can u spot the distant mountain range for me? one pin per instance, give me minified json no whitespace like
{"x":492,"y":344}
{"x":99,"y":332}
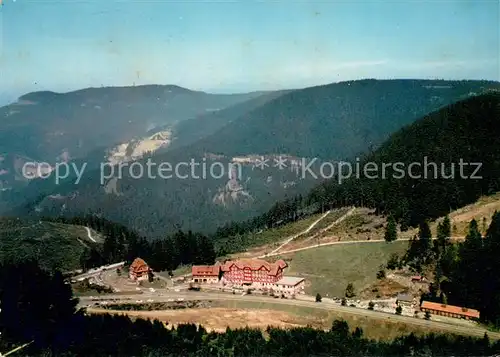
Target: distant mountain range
{"x":333,"y":122}
{"x":46,"y":125}
{"x":336,"y":121}
{"x":91,"y":123}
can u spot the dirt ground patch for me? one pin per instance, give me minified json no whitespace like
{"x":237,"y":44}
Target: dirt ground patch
{"x":261,"y":315}
{"x":481,"y":211}
{"x":218,"y":319}
{"x":383,"y":288}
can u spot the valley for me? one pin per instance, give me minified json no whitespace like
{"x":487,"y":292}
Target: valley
{"x":206,"y":204}
{"x":249,"y":179}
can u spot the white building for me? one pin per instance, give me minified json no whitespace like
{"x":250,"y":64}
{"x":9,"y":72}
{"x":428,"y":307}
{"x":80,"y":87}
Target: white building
{"x":289,"y":285}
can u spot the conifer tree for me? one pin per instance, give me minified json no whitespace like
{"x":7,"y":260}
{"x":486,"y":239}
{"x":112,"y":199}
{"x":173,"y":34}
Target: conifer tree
{"x":391,"y":233}
{"x":349,"y":291}
{"x":443,"y":235}
{"x":490,"y":264}
{"x":424,"y":237}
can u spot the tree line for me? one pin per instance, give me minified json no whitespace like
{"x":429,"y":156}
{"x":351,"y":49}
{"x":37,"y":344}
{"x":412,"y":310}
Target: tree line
{"x":464,"y":274}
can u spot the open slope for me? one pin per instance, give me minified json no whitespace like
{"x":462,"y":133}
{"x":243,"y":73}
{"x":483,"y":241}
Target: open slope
{"x":329,"y":269}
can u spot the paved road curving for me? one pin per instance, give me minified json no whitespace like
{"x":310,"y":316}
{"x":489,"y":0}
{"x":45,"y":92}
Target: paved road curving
{"x":346,"y":242}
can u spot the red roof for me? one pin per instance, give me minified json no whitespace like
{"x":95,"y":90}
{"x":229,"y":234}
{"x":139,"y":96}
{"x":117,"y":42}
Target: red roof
{"x":139,"y":266}
{"x":205,"y":270}
{"x":463,"y":311}
{"x":256,"y":264}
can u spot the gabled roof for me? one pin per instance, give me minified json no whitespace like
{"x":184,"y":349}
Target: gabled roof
{"x":289,"y":281}
{"x":139,"y":266}
{"x":450,"y":309}
{"x":207,"y":270}
{"x":256,"y":264}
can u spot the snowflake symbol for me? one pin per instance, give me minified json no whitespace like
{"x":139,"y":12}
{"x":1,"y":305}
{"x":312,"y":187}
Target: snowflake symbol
{"x":261,"y":163}
{"x":280,"y":162}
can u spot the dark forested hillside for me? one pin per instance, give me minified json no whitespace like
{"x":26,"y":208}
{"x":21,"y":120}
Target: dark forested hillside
{"x":86,"y":242}
{"x":190,"y":131}
{"x":337,"y":121}
{"x":467,"y":132}
{"x":464,"y":273}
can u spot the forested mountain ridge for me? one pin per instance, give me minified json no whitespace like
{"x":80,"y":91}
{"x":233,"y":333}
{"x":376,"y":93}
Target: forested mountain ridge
{"x":190,"y":131}
{"x":467,"y":132}
{"x":338,"y":120}
{"x":152,"y":206}
{"x":48,"y":127}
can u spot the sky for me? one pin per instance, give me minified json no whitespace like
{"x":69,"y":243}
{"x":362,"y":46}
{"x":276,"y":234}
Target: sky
{"x":239,"y":46}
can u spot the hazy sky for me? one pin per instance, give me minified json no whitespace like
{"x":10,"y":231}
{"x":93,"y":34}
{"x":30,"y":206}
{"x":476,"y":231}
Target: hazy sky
{"x":243,"y":45}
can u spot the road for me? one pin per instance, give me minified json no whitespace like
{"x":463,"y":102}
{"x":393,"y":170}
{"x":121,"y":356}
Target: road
{"x":333,"y":243}
{"x":96,"y":271}
{"x":324,"y":305}
{"x":89,"y":235}
{"x":343,"y":242}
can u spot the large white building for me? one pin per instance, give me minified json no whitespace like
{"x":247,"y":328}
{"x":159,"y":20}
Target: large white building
{"x":289,"y":285}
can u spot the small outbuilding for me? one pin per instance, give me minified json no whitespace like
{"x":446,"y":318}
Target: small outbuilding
{"x":405,"y":300}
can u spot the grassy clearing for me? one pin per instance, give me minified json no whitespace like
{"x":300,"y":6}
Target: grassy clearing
{"x":329,"y":269}
{"x":481,"y":211}
{"x":180,"y":271}
{"x":363,"y":224}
